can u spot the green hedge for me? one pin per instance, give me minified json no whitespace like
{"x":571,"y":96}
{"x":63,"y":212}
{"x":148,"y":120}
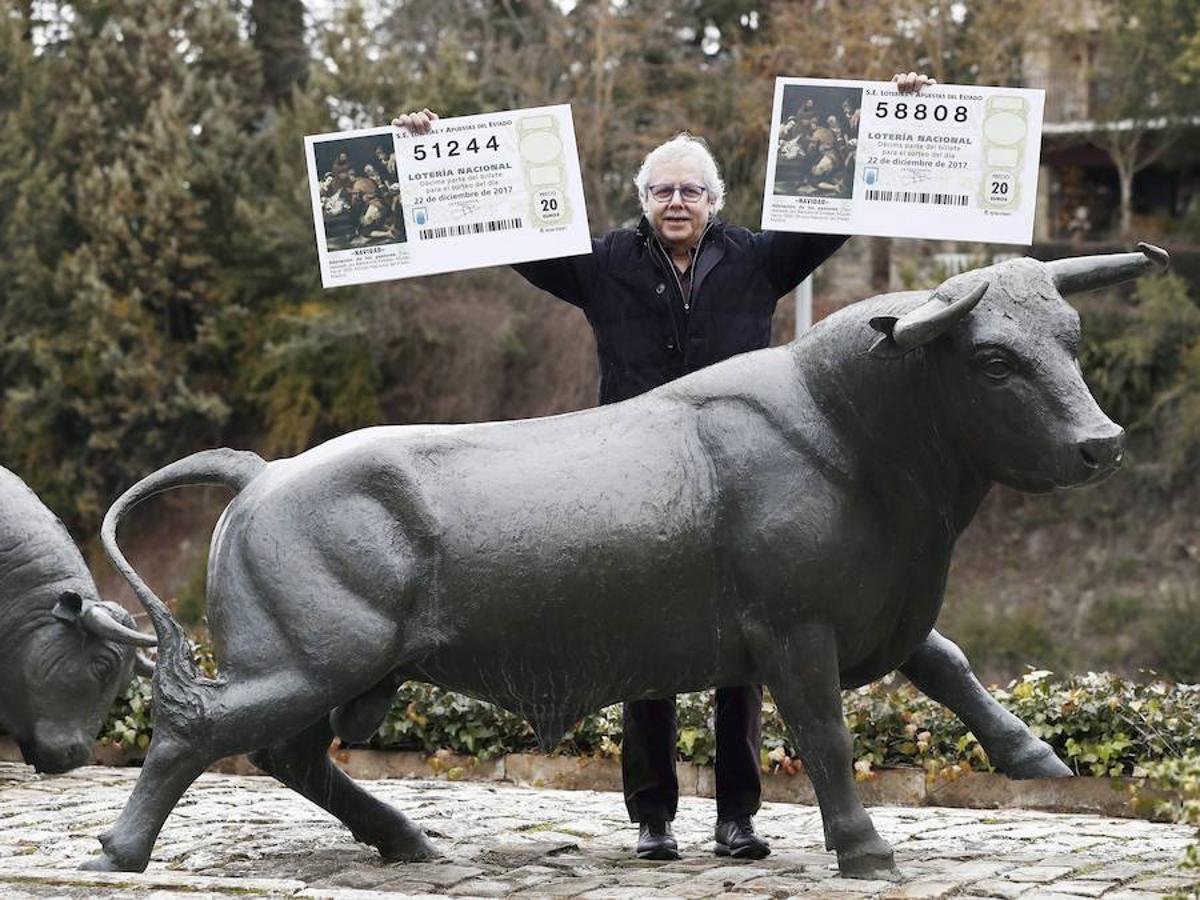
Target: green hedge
{"x":1098,"y":723}
{"x":1179,"y":780}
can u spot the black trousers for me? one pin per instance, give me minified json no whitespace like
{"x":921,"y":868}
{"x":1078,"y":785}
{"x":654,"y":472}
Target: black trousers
{"x":648,"y":755}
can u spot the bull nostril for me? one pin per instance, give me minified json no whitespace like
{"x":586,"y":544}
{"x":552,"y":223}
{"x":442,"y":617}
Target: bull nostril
{"x":1088,"y":460}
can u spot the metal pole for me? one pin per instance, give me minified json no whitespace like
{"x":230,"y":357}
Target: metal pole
{"x":803,"y":296}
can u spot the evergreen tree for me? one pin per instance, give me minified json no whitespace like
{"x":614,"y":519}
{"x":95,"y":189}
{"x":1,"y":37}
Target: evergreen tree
{"x":278,"y":32}
{"x":121,"y":214}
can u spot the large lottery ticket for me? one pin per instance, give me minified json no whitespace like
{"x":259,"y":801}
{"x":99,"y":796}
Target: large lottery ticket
{"x":859,"y":157}
{"x":476,"y":191}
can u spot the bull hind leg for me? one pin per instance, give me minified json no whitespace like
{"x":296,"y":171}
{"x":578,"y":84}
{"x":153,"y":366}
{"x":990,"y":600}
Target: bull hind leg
{"x":939,"y":669}
{"x":302,"y":763}
{"x":189,"y":737}
{"x":802,"y":673}
{"x":170,"y":768}
{"x":177,"y":755}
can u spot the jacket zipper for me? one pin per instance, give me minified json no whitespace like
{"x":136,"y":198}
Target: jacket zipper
{"x":687,"y":301}
{"x":679,"y":287}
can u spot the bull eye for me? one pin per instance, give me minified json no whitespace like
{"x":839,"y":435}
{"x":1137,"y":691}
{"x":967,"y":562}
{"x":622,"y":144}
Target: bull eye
{"x":102,"y":668}
{"x":996,"y":368}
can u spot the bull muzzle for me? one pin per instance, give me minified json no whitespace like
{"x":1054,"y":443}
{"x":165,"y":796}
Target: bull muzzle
{"x":55,"y":759}
{"x":1100,"y":453}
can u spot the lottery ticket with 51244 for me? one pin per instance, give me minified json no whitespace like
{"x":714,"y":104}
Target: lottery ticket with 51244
{"x":476,"y":191}
{"x":949,"y":162}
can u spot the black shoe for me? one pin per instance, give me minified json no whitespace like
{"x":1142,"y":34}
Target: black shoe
{"x":736,"y":838}
{"x":655,"y":841}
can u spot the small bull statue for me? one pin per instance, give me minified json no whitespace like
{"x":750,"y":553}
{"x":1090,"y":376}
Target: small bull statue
{"x":785,"y":517}
{"x":65,"y":654}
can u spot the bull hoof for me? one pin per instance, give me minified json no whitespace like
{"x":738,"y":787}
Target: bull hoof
{"x":413,"y":847}
{"x":873,"y":859}
{"x":1038,"y":761}
{"x":111,"y":861}
{"x":106,"y":863}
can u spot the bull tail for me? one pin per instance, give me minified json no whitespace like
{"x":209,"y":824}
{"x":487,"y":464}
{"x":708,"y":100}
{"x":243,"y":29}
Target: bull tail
{"x":233,"y":469}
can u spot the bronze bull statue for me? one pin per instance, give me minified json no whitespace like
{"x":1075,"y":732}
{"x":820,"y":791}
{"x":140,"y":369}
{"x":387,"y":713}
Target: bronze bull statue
{"x":65,"y":653}
{"x":785,"y":517}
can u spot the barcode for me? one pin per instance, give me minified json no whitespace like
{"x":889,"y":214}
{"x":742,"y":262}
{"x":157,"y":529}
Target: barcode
{"x":919,"y":197}
{"x":473,"y":228}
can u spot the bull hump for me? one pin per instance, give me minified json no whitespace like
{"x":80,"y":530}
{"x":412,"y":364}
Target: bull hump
{"x":35,"y":547}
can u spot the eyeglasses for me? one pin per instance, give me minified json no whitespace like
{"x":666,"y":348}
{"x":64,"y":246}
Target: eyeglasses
{"x":688,"y":193}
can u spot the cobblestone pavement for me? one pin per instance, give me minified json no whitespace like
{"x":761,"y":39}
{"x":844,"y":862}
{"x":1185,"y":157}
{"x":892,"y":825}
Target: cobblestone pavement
{"x":249,"y":836}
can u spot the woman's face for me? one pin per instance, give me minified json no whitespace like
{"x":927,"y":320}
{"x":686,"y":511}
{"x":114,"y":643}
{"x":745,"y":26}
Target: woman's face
{"x":677,"y":223}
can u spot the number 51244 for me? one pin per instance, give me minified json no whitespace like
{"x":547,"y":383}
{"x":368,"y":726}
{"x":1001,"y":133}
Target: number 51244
{"x":448,"y":148}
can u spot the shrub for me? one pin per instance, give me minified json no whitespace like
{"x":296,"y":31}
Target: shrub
{"x":1178,"y":780}
{"x":1098,"y":723}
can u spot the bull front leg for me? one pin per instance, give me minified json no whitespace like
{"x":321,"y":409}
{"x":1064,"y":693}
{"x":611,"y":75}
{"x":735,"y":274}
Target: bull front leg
{"x":939,"y":669}
{"x":801,"y":669}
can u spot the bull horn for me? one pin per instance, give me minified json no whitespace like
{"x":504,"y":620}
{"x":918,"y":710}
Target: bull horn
{"x":928,"y":321}
{"x":1087,"y":273}
{"x":143,"y":666}
{"x":100,"y":622}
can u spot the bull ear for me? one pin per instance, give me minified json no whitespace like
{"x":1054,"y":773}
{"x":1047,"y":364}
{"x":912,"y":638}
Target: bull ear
{"x":933,"y":318}
{"x":884,"y":346}
{"x":68,"y":607}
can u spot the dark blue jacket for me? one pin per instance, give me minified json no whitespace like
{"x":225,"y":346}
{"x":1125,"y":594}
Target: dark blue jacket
{"x":644,"y":335}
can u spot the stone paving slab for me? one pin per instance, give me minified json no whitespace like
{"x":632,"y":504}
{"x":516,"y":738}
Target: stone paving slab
{"x":250,"y":837}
